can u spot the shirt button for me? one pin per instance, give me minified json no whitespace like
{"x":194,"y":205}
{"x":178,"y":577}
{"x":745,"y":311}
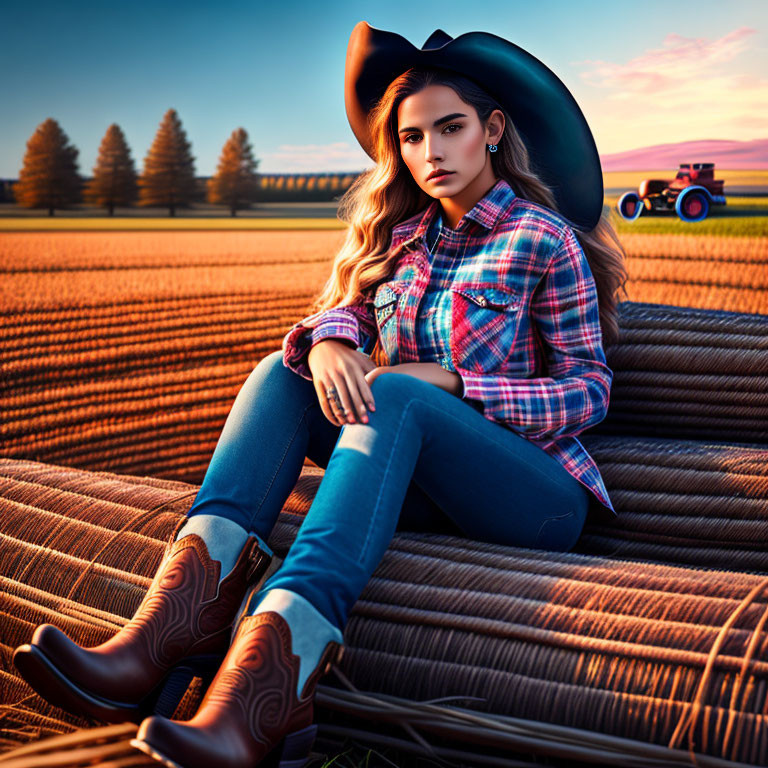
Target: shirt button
{"x":482,"y":301}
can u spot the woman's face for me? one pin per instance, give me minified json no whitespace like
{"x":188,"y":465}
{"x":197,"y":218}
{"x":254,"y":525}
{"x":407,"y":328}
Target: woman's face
{"x":437,"y":130}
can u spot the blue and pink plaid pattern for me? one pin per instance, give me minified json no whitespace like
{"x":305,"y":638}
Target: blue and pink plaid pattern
{"x":508,"y":302}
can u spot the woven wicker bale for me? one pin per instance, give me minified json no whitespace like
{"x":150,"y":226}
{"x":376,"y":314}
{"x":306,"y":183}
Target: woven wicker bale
{"x":682,"y":372}
{"x":682,"y":502}
{"x":552,"y":646}
{"x":623,"y":638}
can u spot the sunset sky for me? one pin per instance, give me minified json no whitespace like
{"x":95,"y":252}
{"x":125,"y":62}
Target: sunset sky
{"x":643,"y":73}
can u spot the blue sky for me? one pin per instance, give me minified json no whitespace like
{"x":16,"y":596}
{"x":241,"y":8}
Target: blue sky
{"x":644,"y":73}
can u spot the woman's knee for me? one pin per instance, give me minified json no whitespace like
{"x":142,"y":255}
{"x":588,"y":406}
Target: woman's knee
{"x":270,"y":372}
{"x":395,"y":393}
{"x":391,"y":385}
{"x":398,"y":394}
{"x":272,"y":361}
{"x":272,"y":365}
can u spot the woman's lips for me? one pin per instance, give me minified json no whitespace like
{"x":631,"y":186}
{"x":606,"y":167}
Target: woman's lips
{"x":442,"y":176}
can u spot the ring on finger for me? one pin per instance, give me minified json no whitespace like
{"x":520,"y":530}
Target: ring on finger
{"x":335,"y":400}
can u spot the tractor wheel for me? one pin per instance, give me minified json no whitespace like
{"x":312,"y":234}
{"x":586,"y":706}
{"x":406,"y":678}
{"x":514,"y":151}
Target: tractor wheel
{"x":693,"y":206}
{"x":629,"y":206}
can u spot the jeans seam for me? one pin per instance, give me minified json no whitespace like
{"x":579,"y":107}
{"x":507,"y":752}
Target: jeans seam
{"x":383,"y":484}
{"x":572,"y":513}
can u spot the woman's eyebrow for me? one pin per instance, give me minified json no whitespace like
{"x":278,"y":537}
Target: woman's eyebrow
{"x":437,"y":122}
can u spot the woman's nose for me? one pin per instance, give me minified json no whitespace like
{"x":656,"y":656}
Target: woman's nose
{"x":432,"y":149}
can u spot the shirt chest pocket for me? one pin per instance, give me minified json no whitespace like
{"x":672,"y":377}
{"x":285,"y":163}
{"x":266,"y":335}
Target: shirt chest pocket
{"x":484,"y":325}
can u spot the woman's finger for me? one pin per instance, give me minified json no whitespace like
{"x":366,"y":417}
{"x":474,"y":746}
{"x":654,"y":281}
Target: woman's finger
{"x":365,"y":391}
{"x":347,"y":408}
{"x":334,"y":394}
{"x":327,"y":405}
{"x":353,"y":379}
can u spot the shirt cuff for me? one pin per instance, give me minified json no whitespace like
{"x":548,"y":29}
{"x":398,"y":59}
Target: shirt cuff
{"x":472,"y":390}
{"x":339,"y":331}
{"x":331,"y":324}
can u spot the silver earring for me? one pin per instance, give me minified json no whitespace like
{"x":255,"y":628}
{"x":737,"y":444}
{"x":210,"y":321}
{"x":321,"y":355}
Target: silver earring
{"x":492,"y":147}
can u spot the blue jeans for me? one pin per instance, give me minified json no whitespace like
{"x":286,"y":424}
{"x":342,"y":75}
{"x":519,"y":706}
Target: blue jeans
{"x":425,"y":461}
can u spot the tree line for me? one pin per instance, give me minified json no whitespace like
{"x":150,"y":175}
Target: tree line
{"x":50,"y":178}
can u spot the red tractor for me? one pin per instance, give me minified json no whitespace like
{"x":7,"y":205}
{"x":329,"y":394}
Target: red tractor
{"x":690,"y":194}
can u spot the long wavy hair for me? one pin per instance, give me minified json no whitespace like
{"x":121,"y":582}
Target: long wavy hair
{"x":385,"y":195}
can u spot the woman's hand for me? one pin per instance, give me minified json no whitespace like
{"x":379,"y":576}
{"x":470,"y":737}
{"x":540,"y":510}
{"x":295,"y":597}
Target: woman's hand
{"x":334,"y":363}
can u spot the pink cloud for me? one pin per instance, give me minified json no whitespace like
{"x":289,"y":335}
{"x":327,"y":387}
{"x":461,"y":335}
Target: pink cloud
{"x":682,"y":90}
{"x":658,"y":69}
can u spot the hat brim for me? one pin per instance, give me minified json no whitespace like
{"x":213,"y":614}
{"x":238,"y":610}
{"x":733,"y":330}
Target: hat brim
{"x":550,"y":123}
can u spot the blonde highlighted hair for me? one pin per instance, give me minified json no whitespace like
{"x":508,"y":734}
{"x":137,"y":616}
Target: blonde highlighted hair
{"x":385,"y":195}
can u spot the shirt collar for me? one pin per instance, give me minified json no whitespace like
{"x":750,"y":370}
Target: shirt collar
{"x":486,"y":212}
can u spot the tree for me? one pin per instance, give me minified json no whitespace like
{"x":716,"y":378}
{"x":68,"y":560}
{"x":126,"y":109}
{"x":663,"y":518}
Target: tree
{"x":114,"y":175}
{"x":49,"y":178}
{"x":169,"y":173}
{"x":235,"y":183}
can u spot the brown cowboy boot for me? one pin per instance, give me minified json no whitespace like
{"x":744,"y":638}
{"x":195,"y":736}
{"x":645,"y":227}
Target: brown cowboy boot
{"x":260,"y":703}
{"x":181,"y":630}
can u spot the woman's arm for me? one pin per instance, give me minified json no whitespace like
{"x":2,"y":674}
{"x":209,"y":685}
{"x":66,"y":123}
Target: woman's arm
{"x":353,"y":323}
{"x":430,"y":372}
{"x":576,"y":393}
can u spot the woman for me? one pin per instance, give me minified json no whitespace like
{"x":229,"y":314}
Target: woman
{"x":461,"y":266}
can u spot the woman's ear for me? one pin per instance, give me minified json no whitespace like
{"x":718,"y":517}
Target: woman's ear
{"x":494,"y":128}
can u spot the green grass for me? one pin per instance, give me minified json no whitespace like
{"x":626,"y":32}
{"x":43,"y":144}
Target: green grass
{"x":356,"y":755}
{"x":740,"y":217}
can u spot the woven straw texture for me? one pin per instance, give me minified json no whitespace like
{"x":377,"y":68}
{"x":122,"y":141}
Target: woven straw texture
{"x":657,"y":654}
{"x":645,"y":646}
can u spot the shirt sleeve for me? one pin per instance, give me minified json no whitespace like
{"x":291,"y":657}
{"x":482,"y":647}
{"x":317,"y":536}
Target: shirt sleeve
{"x":575,"y":395}
{"x":353,"y":323}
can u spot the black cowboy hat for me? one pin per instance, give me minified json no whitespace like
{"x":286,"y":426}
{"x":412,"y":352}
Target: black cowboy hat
{"x":561,"y":147}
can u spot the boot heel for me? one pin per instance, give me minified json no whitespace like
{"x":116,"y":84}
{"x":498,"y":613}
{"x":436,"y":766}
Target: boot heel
{"x":170,"y":691}
{"x":296,"y":747}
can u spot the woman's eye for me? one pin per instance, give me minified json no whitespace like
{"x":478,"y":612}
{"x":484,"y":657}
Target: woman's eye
{"x":416,"y":135}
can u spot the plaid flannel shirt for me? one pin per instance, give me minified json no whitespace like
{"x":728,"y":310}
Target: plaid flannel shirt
{"x":516,"y":318}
